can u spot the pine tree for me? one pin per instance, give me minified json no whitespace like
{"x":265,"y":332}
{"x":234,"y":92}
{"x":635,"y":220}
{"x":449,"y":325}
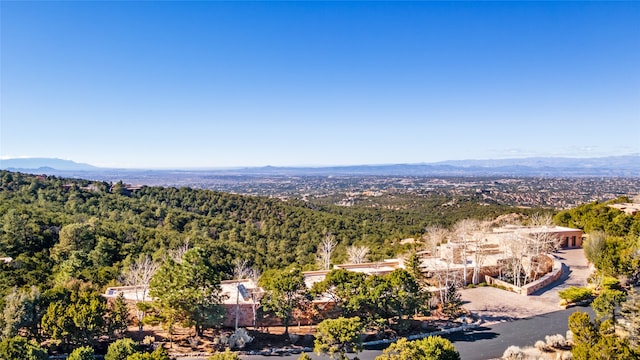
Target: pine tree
{"x":630,"y":312}
{"x":452,"y":306}
{"x":119,"y":316}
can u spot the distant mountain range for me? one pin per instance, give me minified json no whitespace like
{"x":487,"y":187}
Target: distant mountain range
{"x":628,"y":165}
{"x":45,"y":164}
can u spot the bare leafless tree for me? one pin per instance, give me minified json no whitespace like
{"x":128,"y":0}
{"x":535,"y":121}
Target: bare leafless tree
{"x":325,"y":250}
{"x":464,"y":231}
{"x":241,"y":269}
{"x":515,"y":249}
{"x":441,"y":277}
{"x":538,"y":219}
{"x":256,"y":294}
{"x":176,"y":254}
{"x":478,"y":242}
{"x":434,"y":237}
{"x":357,"y":254}
{"x":139,"y":276}
{"x":543,"y":242}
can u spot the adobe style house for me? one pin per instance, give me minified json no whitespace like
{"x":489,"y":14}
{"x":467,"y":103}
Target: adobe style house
{"x":627,"y":208}
{"x":454,"y":260}
{"x":487,"y":253}
{"x":568,"y":238}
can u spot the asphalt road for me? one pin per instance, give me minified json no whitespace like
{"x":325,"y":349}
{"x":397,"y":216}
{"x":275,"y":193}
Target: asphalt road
{"x":489,"y":342}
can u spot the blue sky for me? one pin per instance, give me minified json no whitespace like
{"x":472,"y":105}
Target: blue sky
{"x":217,"y":84}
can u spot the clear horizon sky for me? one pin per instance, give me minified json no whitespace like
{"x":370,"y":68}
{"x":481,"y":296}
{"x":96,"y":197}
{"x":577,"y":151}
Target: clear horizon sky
{"x":162,"y":84}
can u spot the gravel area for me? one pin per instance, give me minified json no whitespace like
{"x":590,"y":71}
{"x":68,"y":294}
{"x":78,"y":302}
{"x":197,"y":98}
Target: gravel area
{"x":495,"y":305}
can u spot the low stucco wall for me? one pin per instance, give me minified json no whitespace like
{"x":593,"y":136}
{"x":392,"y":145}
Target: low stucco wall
{"x":544,"y":281}
{"x":555,"y":274}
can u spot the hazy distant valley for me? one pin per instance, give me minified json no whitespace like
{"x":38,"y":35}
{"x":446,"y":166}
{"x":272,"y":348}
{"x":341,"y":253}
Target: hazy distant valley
{"x":537,"y":182}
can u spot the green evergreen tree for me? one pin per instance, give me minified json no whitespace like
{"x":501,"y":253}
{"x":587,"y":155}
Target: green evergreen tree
{"x":597,"y":341}
{"x":338,"y":336}
{"x":119,"y":316}
{"x":413,"y":265}
{"x":345,"y":290}
{"x":430,"y":348}
{"x":22,"y":311}
{"x":189,"y":291}
{"x":606,"y":304}
{"x":452,"y":306}
{"x":285,"y":291}
{"x":121,"y":349}
{"x":82,"y":353}
{"x":157,"y":354}
{"x":76,"y":317}
{"x":18,"y":347}
{"x":630,"y":312}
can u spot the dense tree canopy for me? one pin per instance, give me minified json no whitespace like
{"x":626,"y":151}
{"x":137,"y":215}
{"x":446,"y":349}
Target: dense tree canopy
{"x":613,"y":243}
{"x":395,"y":296}
{"x":188,"y":291}
{"x":600,"y":217}
{"x":74,"y":316}
{"x":91,"y":231}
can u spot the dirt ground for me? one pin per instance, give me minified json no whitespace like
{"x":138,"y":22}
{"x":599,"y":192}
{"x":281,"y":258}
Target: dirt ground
{"x":264,"y":338}
{"x":495,"y":305}
{"x":183,"y":342}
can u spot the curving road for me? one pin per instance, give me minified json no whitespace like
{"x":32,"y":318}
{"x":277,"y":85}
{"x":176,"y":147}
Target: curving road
{"x":491,"y":341}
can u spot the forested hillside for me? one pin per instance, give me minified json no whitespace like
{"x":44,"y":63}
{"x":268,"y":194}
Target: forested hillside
{"x":613,"y":243}
{"x":58,"y":229}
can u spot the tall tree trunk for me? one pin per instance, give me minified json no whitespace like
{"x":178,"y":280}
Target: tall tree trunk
{"x":286,"y":325}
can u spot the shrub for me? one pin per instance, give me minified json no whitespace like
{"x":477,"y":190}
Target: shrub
{"x":19,"y":347}
{"x":157,"y":354}
{"x":541,"y":345}
{"x":555,"y":341}
{"x":575,"y":294}
{"x":226,"y":355}
{"x":304,"y":356}
{"x":569,"y":337}
{"x":610,"y":283}
{"x":148,"y":340}
{"x":82,"y":353}
{"x":338,"y":336}
{"x":121,"y":349}
{"x":432,"y":347}
{"x":513,"y":352}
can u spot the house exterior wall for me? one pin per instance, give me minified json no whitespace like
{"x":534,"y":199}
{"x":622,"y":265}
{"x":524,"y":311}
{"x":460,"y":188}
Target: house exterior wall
{"x":570,"y":239}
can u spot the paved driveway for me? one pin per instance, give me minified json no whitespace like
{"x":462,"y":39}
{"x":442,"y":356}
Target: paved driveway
{"x":495,"y":305}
